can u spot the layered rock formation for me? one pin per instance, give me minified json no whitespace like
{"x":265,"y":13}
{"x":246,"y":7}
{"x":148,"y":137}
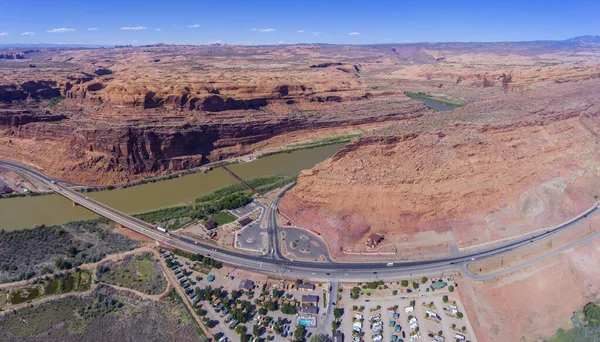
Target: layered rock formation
{"x":490,"y":170}
{"x":125,"y":113}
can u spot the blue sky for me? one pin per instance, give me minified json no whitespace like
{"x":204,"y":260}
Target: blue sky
{"x":109,"y":22}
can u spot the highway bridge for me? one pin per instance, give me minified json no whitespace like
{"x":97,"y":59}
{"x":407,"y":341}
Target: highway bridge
{"x":274,"y":262}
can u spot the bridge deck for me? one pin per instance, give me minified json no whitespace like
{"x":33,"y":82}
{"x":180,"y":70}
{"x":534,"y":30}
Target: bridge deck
{"x":238,"y":178}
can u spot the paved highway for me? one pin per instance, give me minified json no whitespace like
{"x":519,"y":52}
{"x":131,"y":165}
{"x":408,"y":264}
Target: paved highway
{"x":275,"y":263}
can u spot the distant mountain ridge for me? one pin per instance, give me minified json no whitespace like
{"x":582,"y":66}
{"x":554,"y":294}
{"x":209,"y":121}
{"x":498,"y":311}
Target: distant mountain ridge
{"x":584,"y":39}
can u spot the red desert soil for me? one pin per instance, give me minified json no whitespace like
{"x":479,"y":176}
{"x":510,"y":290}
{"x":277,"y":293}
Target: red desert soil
{"x":129,"y":112}
{"x":496,"y":168}
{"x":532,"y":304}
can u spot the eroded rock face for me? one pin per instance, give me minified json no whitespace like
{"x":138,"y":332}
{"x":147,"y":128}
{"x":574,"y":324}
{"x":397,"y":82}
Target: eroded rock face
{"x":44,"y":89}
{"x":115,"y":114}
{"x":488,"y":171}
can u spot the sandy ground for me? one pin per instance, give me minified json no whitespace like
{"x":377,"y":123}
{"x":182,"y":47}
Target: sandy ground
{"x":533,"y":303}
{"x":16,"y":181}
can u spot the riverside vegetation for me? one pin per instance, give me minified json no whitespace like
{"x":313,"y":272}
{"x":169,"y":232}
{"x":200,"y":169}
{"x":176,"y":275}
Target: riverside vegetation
{"x":230,"y":197}
{"x":103,"y":313}
{"x":54,"y":248}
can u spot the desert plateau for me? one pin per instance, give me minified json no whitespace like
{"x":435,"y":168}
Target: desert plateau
{"x":305,"y":172}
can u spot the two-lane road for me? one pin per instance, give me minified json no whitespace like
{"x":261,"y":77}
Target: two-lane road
{"x":275,"y":262}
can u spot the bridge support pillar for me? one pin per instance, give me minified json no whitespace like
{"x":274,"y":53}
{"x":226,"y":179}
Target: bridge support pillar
{"x":75,"y":204}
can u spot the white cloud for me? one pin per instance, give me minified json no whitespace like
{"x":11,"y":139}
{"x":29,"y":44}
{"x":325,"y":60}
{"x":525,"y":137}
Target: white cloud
{"x":61,"y":30}
{"x":157,"y":30}
{"x":280,"y":42}
{"x":28,"y":34}
{"x":270,"y":29}
{"x":3,"y":34}
{"x":133,"y":28}
{"x":93,"y":29}
{"x":194,"y":26}
{"x":354,"y":33}
{"x":300,"y":31}
{"x":315,"y":34}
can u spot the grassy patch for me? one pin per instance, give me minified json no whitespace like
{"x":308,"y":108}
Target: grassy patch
{"x":367,"y":292}
{"x":338,"y":139}
{"x":77,"y":281}
{"x":25,"y":294}
{"x":424,"y":96}
{"x":223,"y":217}
{"x":166,"y":214}
{"x":141,"y":273}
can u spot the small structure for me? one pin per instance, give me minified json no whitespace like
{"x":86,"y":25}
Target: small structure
{"x":309,"y":299}
{"x":309,"y":309}
{"x":438,"y":284}
{"x":306,"y":287}
{"x":5,"y":190}
{"x":210,"y":224}
{"x":246,"y":285}
{"x":245,"y":221}
{"x":374,"y":240}
{"x":338,"y":337}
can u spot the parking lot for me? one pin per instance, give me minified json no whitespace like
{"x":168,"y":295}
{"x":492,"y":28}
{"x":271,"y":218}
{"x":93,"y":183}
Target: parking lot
{"x":251,"y":237}
{"x":247,"y":209}
{"x":304,"y":245}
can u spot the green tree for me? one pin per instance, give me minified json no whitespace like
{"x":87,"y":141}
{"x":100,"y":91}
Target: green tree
{"x":240,"y":329}
{"x":424,"y":280}
{"x":445,"y":298}
{"x":451,"y":288}
{"x":592,"y":314}
{"x":338,"y":312}
{"x":404,"y":283}
{"x":355,"y":292}
{"x":459,"y":315}
{"x":299,"y":333}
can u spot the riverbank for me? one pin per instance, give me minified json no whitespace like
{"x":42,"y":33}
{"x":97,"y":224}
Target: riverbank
{"x":432,"y":100}
{"x":311,"y":144}
{"x":17,"y":213}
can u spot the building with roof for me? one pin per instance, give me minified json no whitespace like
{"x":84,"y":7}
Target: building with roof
{"x":5,"y":190}
{"x":306,"y":287}
{"x":373,"y":240}
{"x":309,"y":299}
{"x":245,"y":221}
{"x":246,"y":285}
{"x":210,"y":224}
{"x":309,"y":309}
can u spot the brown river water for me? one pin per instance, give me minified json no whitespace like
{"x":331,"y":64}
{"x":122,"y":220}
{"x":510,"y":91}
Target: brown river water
{"x":25,"y":212}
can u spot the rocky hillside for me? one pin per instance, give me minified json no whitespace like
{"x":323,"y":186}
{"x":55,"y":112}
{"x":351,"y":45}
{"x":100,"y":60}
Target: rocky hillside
{"x":110,"y":115}
{"x":493,"y":169}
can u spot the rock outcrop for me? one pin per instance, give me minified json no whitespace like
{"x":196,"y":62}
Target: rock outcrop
{"x":488,"y":171}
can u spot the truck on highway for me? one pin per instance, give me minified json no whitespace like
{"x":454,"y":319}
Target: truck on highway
{"x":390,"y":264}
{"x":161,"y":229}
